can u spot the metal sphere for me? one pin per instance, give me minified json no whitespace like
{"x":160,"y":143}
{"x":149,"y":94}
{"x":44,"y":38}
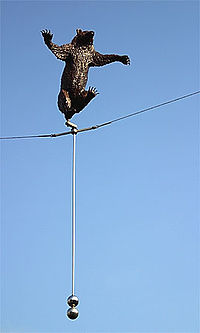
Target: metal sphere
{"x":72,"y":301}
{"x":72,"y":313}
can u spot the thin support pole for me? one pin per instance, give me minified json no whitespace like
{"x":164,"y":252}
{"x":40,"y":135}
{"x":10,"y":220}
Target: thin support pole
{"x":73,"y":209}
{"x":73,"y":300}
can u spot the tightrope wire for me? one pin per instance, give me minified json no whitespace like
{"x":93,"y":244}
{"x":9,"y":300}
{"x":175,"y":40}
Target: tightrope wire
{"x":103,"y":124}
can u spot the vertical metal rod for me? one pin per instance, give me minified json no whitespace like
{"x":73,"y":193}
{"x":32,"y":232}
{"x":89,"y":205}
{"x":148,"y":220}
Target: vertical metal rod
{"x":73,"y":210}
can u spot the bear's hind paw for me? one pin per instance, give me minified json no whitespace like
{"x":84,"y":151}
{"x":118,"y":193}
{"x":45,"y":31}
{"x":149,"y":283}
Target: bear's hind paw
{"x":93,"y":91}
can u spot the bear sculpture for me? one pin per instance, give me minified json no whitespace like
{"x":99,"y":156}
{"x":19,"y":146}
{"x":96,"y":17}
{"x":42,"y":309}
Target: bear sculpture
{"x":79,"y":56}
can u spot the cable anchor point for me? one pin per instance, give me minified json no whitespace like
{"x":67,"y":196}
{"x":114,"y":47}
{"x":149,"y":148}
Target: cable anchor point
{"x":74,"y":127}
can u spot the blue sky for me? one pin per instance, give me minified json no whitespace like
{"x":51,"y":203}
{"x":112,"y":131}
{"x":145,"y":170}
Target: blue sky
{"x":137,"y":228}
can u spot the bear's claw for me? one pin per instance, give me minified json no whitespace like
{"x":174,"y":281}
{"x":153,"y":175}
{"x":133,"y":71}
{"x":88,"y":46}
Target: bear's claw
{"x":93,"y":91}
{"x":47,"y":34}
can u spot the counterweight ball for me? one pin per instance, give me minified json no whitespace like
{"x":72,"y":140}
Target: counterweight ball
{"x":72,"y":301}
{"x":72,"y":313}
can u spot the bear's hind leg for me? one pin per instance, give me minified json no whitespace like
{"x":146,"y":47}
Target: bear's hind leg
{"x":85,"y":98}
{"x":65,"y":104}
{"x":91,"y":93}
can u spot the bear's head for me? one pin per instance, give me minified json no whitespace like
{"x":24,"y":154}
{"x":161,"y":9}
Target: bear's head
{"x":83,"y":38}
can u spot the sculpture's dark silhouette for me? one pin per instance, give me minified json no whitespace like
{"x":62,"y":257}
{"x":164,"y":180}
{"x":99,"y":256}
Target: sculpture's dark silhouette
{"x":79,"y":56}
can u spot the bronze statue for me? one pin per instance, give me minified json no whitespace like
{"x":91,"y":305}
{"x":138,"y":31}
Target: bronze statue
{"x":79,"y":56}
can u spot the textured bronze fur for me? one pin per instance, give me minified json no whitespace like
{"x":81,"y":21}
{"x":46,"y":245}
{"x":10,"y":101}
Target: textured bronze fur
{"x":79,"y":56}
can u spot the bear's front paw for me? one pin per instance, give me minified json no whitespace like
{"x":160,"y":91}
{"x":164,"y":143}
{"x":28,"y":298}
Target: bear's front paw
{"x":125,"y":60}
{"x":47,"y":35}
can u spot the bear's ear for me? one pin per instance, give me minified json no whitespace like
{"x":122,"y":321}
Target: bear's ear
{"x":78,"y":31}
